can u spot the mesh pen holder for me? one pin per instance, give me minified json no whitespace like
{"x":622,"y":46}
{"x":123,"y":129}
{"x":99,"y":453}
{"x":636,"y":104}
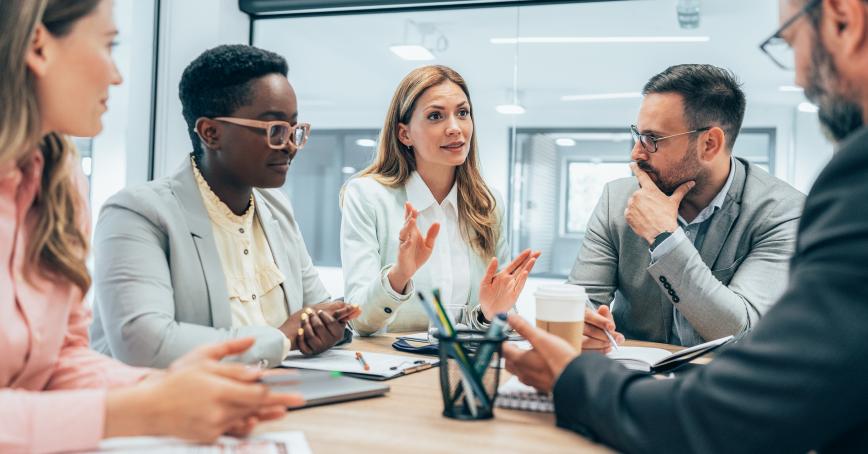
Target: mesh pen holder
{"x":478,"y":404}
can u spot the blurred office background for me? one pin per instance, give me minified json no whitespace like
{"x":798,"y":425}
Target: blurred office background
{"x":555,"y":86}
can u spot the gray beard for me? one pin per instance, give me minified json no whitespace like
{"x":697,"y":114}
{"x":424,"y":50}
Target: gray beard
{"x":839,"y":116}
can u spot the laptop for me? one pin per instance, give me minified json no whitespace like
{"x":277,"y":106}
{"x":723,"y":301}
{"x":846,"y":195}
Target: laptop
{"x":321,"y":388}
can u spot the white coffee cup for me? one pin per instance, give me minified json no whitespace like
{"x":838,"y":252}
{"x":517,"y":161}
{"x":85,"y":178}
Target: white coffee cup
{"x":560,"y":310}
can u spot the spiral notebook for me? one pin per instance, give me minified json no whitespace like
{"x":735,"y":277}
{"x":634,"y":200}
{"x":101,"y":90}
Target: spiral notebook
{"x":516,"y":395}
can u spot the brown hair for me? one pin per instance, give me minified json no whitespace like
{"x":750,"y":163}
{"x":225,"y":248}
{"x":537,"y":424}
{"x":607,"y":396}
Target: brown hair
{"x":395,"y":161}
{"x":57,"y":246}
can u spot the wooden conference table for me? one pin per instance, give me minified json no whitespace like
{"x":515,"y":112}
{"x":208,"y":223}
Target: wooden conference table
{"x":409,"y":420}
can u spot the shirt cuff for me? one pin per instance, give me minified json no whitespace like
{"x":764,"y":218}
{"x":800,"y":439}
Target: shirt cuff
{"x":668,"y":245}
{"x":387,"y":286}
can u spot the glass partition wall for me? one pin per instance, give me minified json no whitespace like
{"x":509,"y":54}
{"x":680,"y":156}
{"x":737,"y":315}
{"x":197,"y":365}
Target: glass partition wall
{"x":554,"y":90}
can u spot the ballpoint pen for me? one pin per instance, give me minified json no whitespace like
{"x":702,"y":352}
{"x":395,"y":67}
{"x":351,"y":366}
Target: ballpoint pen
{"x":609,"y":335}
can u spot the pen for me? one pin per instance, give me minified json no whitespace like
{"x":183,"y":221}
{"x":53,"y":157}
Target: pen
{"x":364,"y":363}
{"x":611,"y":339}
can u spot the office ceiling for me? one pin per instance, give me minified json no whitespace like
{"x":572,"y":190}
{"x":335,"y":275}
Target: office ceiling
{"x":342,"y":63}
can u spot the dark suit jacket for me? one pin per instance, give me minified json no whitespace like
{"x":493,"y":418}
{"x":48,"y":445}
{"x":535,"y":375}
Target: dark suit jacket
{"x":797,"y":382}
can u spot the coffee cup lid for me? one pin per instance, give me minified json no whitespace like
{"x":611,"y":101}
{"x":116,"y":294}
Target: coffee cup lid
{"x":560,"y":291}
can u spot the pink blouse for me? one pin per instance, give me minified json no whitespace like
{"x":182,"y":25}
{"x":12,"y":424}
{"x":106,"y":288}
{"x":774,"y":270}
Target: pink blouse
{"x":52,"y":386}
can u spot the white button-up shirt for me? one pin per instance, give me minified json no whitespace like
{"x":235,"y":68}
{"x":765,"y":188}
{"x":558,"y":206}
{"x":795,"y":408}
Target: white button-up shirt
{"x":448,"y":268}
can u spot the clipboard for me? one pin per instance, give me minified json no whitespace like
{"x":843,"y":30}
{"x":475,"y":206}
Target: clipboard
{"x":381,"y":366}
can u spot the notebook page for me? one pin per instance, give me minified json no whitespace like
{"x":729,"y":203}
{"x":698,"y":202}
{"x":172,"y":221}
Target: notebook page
{"x":638,"y":358}
{"x":381,"y":364}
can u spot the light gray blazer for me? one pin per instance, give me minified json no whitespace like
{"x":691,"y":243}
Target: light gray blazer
{"x":722,"y":289}
{"x":159,"y":285}
{"x":372,"y":216}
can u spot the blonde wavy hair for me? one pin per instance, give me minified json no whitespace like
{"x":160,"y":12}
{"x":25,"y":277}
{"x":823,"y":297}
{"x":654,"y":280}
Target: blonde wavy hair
{"x":58,"y":246}
{"x":477,"y":214}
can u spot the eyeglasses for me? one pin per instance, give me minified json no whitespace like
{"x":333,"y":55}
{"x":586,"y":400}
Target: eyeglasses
{"x":649,"y":142}
{"x":777,"y":48}
{"x":280,"y":134}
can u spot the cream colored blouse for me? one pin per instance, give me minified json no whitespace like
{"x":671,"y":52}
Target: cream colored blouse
{"x":252,"y":278}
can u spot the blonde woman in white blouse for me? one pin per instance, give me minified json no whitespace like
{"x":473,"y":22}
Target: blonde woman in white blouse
{"x":425,"y":177}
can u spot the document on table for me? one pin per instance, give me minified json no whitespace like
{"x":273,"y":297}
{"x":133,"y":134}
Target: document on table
{"x":267,"y":443}
{"x":381,"y":366}
{"x":638,"y":358}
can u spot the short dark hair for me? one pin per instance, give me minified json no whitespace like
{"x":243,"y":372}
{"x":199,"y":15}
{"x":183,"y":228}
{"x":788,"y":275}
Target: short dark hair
{"x":712,"y":96}
{"x":218,"y":82}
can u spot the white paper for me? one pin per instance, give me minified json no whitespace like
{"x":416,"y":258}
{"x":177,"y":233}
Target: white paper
{"x":638,"y":358}
{"x":381,"y":364}
{"x":274,"y":442}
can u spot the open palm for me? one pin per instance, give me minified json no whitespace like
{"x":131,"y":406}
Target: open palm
{"x":498,"y":291}
{"x":414,"y":249}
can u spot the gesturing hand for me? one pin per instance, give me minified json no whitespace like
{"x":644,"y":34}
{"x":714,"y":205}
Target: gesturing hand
{"x":498,"y":291}
{"x":541,"y":366}
{"x":649,"y":211}
{"x":413,"y":251}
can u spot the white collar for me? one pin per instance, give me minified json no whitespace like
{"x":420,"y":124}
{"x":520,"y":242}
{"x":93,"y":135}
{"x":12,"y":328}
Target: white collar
{"x":420,"y":196}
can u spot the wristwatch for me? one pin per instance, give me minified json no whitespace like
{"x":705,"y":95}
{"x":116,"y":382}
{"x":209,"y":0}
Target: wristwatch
{"x":660,"y":238}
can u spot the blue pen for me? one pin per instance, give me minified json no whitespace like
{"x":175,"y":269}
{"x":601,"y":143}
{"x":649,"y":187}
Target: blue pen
{"x":432,"y":315}
{"x":496,"y":332}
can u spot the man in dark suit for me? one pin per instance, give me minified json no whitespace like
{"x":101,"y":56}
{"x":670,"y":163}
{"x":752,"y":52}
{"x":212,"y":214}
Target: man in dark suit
{"x":799,"y":380}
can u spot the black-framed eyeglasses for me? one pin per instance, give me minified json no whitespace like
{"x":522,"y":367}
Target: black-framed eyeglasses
{"x":649,"y":142}
{"x":777,"y":48}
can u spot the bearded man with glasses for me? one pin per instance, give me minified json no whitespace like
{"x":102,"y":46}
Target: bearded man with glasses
{"x":696,"y":246}
{"x":798,"y":382}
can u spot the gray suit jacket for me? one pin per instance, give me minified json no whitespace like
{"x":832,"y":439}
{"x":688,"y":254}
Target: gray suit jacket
{"x":159,"y":285}
{"x":722,"y":289}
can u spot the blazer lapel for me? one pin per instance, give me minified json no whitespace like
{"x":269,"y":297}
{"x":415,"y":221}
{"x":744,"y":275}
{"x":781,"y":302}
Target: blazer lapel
{"x":723,"y":220}
{"x":187,"y":192}
{"x":271,"y":228}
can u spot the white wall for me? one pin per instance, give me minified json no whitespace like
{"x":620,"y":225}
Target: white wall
{"x":811,"y":150}
{"x":123,"y":143}
{"x":187,"y":28}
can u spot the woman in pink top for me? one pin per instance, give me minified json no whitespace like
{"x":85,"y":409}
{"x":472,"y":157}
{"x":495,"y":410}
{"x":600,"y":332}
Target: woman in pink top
{"x":55,"y":393}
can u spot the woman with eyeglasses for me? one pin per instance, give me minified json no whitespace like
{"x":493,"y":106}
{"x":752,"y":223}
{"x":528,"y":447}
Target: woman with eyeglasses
{"x":213,"y":252}
{"x":55,"y":393}
{"x":426,"y":178}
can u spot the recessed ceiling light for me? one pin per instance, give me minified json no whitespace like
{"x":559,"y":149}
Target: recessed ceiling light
{"x":348,"y":170}
{"x":412,"y":52}
{"x":792,"y":88}
{"x":367,"y":143}
{"x":601,"y":96}
{"x":808,"y":107}
{"x":510,"y":109}
{"x":565,"y":142}
{"x":600,"y":39}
